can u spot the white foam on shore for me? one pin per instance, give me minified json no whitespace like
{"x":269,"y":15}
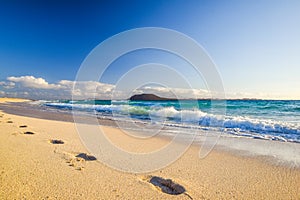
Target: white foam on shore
{"x":249,"y":143}
{"x":236,"y":125}
{"x":286,"y":153}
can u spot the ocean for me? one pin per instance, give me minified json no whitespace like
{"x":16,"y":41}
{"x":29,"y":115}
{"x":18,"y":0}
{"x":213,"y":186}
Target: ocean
{"x":260,"y":119}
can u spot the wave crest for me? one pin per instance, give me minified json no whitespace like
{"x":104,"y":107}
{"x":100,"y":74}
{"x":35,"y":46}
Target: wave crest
{"x":238,"y":125}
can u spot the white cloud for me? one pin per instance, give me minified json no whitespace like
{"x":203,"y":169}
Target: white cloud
{"x":39,"y":88}
{"x":88,"y":89}
{"x":32,"y":82}
{"x":7,"y":85}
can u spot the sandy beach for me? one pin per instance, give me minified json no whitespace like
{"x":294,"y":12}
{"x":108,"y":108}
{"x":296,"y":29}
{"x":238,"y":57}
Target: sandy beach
{"x":45,"y":159}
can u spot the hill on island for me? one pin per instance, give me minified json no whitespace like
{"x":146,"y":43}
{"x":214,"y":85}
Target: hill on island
{"x":148,"y":97}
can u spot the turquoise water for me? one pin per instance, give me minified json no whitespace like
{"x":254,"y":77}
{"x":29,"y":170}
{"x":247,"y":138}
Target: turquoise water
{"x":265,"y":119}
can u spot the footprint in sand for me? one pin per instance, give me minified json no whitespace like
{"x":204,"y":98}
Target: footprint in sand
{"x":77,"y":163}
{"x":77,"y":160}
{"x":54,"y":141}
{"x":28,"y":133}
{"x":166,"y":185}
{"x":86,"y":157}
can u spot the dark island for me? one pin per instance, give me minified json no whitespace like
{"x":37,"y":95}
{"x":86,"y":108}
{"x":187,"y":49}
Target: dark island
{"x":148,"y":97}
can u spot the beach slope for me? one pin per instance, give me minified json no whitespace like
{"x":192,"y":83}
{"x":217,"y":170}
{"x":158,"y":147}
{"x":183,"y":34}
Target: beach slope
{"x":45,"y":159}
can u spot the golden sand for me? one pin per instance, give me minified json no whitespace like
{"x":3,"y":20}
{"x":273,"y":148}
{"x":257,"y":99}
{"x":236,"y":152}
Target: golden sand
{"x":6,"y":100}
{"x":34,"y":166}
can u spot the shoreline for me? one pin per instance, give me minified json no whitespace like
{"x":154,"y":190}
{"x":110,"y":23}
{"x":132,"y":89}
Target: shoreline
{"x":274,"y":152}
{"x":36,"y":168}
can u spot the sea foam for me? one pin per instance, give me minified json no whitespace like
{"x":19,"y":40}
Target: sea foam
{"x":234,"y":125}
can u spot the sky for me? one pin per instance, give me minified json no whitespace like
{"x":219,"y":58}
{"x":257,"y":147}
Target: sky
{"x":254,"y":44}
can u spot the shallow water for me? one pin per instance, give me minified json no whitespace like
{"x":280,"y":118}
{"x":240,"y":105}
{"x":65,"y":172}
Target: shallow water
{"x":260,"y":119}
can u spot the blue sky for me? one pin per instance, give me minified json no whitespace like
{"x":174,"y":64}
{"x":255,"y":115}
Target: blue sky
{"x":255,"y":44}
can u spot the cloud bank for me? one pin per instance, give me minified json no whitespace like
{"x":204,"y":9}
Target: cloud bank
{"x":38,"y":88}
